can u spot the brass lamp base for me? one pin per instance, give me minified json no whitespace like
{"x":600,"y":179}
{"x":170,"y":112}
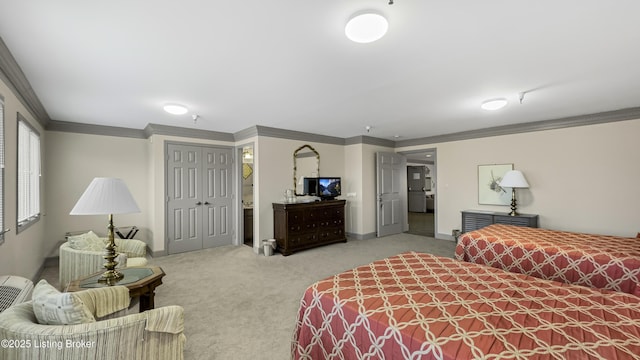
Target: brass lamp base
{"x":513,"y":203}
{"x":111,"y":276}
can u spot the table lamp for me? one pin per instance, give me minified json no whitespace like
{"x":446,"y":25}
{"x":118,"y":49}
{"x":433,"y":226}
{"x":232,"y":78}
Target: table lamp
{"x":107,"y":196}
{"x":514,"y":179}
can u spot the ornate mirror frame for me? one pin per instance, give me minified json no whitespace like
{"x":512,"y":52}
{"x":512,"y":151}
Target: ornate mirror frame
{"x":305,"y":152}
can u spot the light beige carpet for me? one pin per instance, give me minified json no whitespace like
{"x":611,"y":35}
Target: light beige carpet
{"x":239,"y":305}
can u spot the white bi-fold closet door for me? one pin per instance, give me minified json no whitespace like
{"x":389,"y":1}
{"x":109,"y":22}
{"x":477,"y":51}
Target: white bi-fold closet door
{"x":199,"y":197}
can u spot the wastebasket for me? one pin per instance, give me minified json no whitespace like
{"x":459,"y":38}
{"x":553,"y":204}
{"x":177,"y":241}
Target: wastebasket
{"x":269,"y":245}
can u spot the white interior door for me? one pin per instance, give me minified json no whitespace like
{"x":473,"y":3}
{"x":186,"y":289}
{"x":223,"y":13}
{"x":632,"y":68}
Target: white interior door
{"x":390,"y":167}
{"x":217,"y":197}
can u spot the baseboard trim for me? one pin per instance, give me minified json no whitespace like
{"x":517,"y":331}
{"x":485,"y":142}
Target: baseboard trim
{"x":38,"y":275}
{"x":159,"y":253}
{"x":449,"y":237}
{"x":361,"y":236}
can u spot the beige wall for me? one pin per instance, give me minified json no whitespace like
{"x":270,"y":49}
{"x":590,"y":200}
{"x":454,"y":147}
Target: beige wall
{"x":273,"y":158}
{"x":73,"y":160}
{"x":21,"y":254}
{"x":353,"y":171}
{"x":582,"y":179}
{"x":360,"y":165}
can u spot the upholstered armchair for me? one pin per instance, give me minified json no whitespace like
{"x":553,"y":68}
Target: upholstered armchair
{"x":82,"y":255}
{"x":153,"y":334}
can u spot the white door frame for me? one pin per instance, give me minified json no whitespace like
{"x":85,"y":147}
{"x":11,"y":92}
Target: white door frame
{"x":434,"y":186}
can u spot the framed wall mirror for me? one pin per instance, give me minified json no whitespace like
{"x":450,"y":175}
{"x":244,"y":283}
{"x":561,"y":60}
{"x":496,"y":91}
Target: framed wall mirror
{"x":306,"y":163}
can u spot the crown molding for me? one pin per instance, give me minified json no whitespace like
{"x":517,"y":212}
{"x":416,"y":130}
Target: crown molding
{"x":157,"y":129}
{"x":246,"y":133}
{"x":369,"y":140}
{"x":297,"y":135}
{"x":12,"y":75}
{"x":81,"y":128}
{"x":258,"y":130}
{"x":572,"y":121}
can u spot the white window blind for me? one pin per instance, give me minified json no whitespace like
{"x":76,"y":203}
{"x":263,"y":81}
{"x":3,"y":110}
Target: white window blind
{"x":28,"y":174}
{"x":2,"y":228}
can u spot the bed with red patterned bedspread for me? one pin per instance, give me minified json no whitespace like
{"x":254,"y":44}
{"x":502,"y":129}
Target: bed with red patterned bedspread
{"x":597,"y":261}
{"x":420,"y":306}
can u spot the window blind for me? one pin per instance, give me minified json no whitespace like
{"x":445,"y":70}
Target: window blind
{"x":2,"y":228}
{"x":28,"y":174}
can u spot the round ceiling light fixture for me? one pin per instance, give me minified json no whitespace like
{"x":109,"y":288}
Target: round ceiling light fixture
{"x":175,"y":109}
{"x":366,"y":27}
{"x":494,"y":104}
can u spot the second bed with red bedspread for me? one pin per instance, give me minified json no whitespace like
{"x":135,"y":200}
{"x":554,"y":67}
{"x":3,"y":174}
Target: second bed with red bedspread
{"x":597,"y":261}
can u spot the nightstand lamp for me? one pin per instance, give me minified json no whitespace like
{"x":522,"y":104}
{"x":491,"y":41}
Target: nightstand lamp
{"x":514,"y":179}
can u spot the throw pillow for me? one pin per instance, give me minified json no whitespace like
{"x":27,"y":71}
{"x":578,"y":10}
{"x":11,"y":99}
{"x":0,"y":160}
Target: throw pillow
{"x":122,"y":260}
{"x":86,"y":242}
{"x":52,"y":307}
{"x":93,"y":237}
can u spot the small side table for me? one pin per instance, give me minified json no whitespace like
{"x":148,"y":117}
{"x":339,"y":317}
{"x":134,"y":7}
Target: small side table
{"x":477,"y":219}
{"x":141,"y":282}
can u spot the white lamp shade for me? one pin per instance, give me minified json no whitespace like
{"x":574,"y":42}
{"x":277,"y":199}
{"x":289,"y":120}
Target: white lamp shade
{"x":514,"y":179}
{"x":105,"y":196}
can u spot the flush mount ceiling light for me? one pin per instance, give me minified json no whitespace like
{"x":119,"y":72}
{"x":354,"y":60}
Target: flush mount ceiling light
{"x":365,"y":28}
{"x":494,"y":104}
{"x":175,"y":109}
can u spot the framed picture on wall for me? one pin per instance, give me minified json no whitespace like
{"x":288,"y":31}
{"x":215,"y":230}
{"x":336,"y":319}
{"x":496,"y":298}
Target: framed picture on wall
{"x":489,"y":192}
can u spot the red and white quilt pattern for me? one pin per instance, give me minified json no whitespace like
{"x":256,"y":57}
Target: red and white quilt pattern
{"x":420,"y":306}
{"x":597,"y":261}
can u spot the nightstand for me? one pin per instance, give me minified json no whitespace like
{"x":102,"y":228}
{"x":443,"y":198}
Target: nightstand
{"x":477,"y":219}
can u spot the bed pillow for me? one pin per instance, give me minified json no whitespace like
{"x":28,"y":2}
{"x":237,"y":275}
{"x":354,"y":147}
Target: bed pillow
{"x":86,"y":242}
{"x":121,"y":258}
{"x":52,"y":307}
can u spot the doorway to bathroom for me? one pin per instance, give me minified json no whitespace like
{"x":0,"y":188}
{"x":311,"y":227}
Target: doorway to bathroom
{"x":247,"y":194}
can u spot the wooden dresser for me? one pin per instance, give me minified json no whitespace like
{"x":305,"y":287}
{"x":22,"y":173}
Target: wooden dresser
{"x":299,"y":226}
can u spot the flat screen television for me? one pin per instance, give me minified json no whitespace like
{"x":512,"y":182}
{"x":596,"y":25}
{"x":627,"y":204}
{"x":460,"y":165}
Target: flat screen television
{"x":329,"y":187}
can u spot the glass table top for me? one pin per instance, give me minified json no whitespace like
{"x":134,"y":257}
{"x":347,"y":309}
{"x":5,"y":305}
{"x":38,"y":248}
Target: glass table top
{"x":131,"y":275}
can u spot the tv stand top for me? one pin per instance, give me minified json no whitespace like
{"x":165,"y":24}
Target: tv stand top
{"x":309,"y":203}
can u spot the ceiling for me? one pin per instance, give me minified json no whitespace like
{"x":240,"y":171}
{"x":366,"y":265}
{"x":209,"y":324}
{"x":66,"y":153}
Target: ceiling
{"x":287,"y":64}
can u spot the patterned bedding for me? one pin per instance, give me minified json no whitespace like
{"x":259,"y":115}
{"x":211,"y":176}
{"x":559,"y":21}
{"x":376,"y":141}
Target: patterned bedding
{"x":420,"y":306}
{"x":597,"y":261}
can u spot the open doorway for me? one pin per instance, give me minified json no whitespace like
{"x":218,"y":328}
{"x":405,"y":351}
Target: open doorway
{"x":421,"y":192}
{"x":247,"y":194}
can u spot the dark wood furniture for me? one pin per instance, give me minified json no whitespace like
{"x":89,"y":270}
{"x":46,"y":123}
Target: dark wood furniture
{"x":141,"y":282}
{"x":299,"y":226}
{"x":248,"y":226}
{"x":477,"y":219}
